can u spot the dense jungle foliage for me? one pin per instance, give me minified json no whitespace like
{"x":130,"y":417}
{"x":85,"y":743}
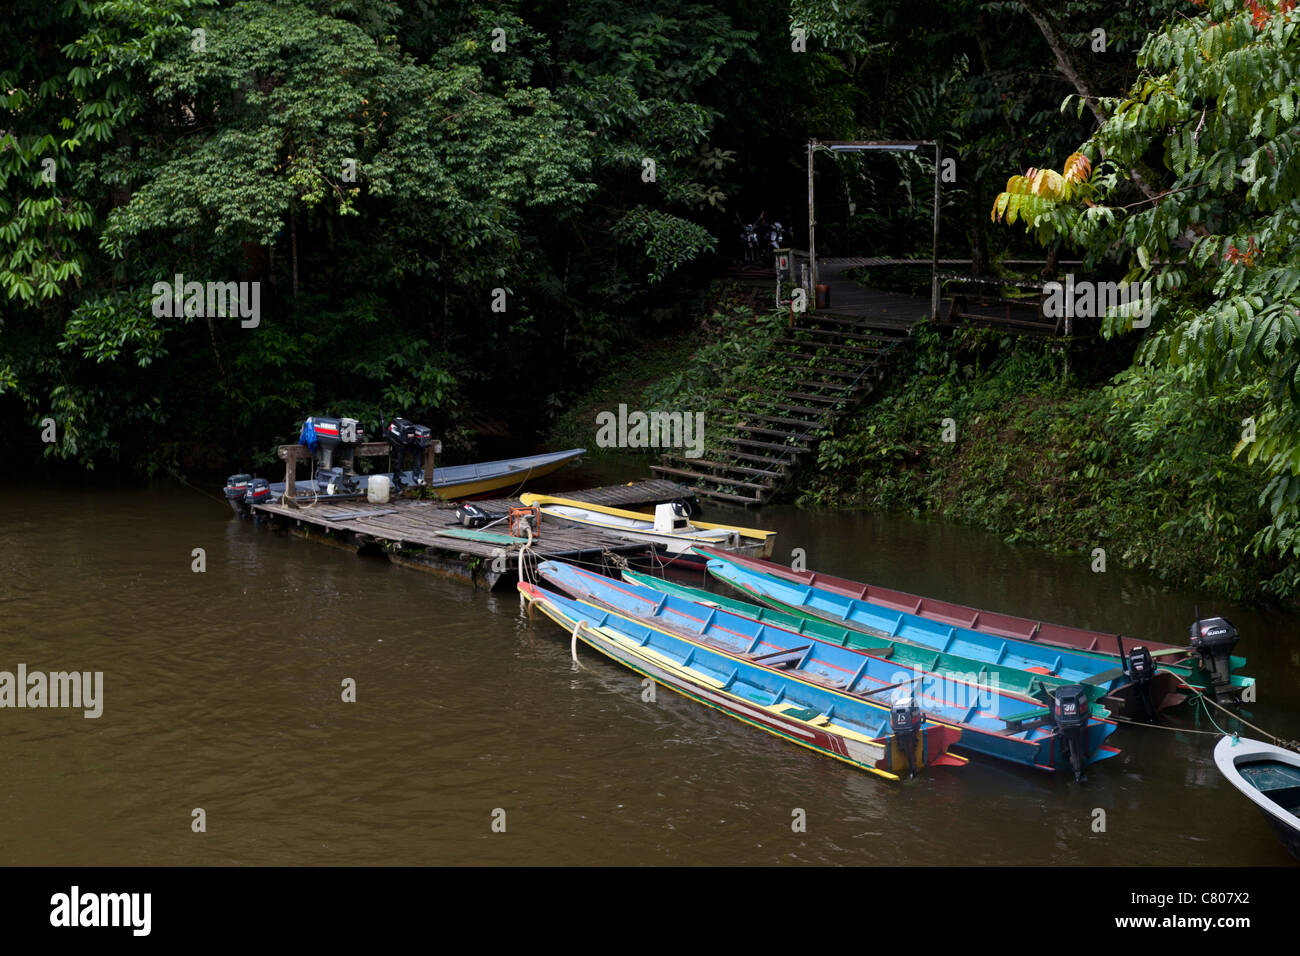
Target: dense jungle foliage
{"x":464,"y":210}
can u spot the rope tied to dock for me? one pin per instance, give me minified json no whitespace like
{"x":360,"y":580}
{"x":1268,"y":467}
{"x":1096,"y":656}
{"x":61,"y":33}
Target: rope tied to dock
{"x":1206,"y":701}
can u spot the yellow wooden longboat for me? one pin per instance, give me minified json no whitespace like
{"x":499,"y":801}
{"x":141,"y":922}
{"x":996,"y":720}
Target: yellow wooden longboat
{"x":642,"y":527}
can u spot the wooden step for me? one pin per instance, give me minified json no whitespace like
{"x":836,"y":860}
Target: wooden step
{"x":772,"y":472}
{"x":796,"y":422}
{"x":716,"y":479}
{"x":810,"y":397}
{"x":750,"y":443}
{"x":774,"y":432}
{"x":857,"y":323}
{"x":828,"y":334}
{"x":781,"y":406}
{"x":838,"y":353}
{"x":783,"y":463}
{"x":843,"y":373}
{"x":727,"y":496}
{"x":810,"y":383}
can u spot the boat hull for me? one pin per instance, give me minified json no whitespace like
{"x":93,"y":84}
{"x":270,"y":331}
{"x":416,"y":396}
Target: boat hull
{"x":1174,"y":658}
{"x":880,"y":756}
{"x":640,"y":527}
{"x":1238,"y":758}
{"x":459,"y":481}
{"x":1010,"y":679}
{"x":993,"y":722}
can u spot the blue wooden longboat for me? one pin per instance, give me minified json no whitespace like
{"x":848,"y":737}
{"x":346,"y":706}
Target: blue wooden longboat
{"x":859,"y":732}
{"x":1180,"y":668}
{"x":1078,"y":667}
{"x":993,"y":723}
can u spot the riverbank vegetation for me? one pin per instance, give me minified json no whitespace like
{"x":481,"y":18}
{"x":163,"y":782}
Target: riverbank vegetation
{"x":454,"y":212}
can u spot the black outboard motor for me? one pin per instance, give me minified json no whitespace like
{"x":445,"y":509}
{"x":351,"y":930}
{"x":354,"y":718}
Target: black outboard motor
{"x":1141,"y":670}
{"x":406,"y":438}
{"x":471,"y":516}
{"x":1070,"y":713}
{"x":236,"y":489}
{"x":905,"y":720}
{"x":1213,"y":638}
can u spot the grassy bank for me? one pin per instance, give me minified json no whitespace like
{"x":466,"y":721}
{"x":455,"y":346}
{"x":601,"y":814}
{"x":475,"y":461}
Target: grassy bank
{"x":1138,"y":465}
{"x":1049,"y":450}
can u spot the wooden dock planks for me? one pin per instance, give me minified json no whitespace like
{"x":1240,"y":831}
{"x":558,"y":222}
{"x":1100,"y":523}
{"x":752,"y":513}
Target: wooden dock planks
{"x":407,"y":530}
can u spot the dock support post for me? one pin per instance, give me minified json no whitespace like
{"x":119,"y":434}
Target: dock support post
{"x":435,"y":447}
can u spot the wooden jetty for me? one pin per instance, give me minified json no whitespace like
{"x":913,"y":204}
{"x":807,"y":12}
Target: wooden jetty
{"x":423,"y":533}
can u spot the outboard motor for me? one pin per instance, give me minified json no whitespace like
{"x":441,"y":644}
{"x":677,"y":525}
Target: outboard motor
{"x":406,"y":438}
{"x":905,"y":720}
{"x":1070,"y":713}
{"x":775,"y":236}
{"x":257,"y":492}
{"x":471,"y":516}
{"x":335,"y":481}
{"x":327,"y":437}
{"x":236,"y":488}
{"x":1213,"y":638}
{"x":1141,"y":670}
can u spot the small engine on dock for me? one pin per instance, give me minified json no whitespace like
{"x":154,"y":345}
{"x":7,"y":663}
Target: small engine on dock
{"x":1213,"y":639}
{"x":1070,"y":713}
{"x":406,"y":438}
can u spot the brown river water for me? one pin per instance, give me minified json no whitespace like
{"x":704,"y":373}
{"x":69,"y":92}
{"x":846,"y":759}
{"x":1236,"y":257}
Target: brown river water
{"x":222,"y":691}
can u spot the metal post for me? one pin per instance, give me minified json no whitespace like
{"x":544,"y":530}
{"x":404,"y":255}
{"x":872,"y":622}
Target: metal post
{"x":812,"y":225}
{"x":934,"y":252}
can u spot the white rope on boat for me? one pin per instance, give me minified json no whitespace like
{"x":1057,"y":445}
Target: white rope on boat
{"x":573,"y":643}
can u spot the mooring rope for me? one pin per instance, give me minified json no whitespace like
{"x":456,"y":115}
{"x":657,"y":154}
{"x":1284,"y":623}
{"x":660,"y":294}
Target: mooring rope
{"x":1206,"y":701}
{"x":573,"y":643}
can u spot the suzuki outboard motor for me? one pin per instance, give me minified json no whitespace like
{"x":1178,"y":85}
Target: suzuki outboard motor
{"x":905,"y":719}
{"x":1141,"y":671}
{"x":1070,"y":712}
{"x":406,"y":438}
{"x":328,"y":437}
{"x":1213,"y":638}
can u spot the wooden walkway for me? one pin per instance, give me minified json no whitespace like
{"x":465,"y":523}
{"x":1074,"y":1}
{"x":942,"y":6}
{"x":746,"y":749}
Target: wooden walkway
{"x":415,"y":533}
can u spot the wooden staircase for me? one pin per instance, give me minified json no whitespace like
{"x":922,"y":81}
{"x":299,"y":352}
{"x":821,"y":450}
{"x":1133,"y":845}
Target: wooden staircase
{"x":823,"y":367}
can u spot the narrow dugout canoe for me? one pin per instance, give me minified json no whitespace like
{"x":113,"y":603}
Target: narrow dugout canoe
{"x":993,"y":722}
{"x":1026,"y":683}
{"x":925,"y":620}
{"x":858,"y":734}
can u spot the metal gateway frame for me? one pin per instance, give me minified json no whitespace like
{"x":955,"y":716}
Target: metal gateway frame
{"x":866,"y":146}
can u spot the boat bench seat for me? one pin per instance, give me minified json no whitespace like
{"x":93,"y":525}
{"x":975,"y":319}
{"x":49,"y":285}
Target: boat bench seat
{"x":781,"y":658}
{"x":1027,"y":715}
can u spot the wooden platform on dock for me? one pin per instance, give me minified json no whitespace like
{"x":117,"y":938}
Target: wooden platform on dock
{"x":414,"y":532}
